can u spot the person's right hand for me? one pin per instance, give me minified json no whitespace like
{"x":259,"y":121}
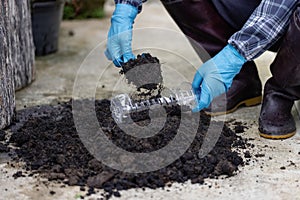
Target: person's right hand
{"x":119,"y":48}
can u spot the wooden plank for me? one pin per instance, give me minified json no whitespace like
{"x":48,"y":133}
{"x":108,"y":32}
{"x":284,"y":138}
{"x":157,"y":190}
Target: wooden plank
{"x":16,"y":54}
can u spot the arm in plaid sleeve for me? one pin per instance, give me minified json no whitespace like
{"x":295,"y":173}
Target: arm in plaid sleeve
{"x":135,"y":3}
{"x":265,"y":26}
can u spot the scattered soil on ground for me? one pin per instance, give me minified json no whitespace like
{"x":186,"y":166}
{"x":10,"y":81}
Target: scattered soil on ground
{"x":239,"y":127}
{"x":2,"y":135}
{"x":3,"y":148}
{"x":47,"y":141}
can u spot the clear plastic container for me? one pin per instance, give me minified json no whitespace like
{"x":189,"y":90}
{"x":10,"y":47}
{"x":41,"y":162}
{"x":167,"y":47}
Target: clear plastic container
{"x":122,"y":105}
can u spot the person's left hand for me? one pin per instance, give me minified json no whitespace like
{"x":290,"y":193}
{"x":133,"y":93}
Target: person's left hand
{"x":215,"y":76}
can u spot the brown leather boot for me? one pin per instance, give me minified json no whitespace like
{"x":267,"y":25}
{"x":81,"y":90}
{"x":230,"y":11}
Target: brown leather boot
{"x":206,"y":29}
{"x":276,"y":120}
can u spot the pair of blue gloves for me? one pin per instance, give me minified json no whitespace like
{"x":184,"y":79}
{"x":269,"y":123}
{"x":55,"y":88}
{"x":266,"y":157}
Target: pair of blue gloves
{"x":213,"y":78}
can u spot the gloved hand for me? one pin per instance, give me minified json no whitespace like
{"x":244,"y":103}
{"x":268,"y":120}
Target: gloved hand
{"x":120,"y":34}
{"x":215,"y":76}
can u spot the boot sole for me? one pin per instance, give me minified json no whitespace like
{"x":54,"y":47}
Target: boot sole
{"x":248,"y":102}
{"x":277,"y":137}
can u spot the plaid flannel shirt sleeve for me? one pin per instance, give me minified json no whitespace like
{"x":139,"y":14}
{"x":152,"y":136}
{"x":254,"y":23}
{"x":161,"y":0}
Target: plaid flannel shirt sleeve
{"x":265,"y":26}
{"x":135,"y":3}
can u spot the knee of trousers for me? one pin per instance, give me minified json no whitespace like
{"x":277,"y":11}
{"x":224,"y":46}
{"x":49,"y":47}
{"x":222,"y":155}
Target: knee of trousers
{"x":286,"y":66}
{"x":201,"y":23}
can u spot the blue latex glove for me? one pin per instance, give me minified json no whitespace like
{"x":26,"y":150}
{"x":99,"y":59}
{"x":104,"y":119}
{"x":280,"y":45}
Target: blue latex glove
{"x":120,"y":34}
{"x":215,"y":76}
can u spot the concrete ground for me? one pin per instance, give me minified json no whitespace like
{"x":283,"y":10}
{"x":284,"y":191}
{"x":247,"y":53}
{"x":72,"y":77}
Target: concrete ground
{"x":263,"y":178}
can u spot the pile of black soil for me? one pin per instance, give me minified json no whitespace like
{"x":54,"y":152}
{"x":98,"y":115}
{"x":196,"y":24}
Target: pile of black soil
{"x":144,"y":72}
{"x":48,"y":143}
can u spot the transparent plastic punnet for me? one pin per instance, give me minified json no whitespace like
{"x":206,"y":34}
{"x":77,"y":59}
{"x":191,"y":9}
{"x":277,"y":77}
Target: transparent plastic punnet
{"x":122,"y":105}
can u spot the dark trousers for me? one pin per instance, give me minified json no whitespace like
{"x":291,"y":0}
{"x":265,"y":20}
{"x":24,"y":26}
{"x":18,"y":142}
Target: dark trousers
{"x":207,"y":30}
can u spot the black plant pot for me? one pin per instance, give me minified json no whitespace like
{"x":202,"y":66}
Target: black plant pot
{"x":46,"y":18}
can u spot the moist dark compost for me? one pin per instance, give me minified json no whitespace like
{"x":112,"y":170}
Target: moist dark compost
{"x":144,"y":72}
{"x":48,"y":144}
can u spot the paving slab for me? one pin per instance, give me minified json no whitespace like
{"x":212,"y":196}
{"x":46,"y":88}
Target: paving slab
{"x":276,"y":175}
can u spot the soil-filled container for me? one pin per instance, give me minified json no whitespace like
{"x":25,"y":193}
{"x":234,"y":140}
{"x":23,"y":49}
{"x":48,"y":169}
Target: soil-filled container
{"x":46,"y":19}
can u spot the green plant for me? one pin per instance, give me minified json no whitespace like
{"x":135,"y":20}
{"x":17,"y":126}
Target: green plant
{"x":69,"y":12}
{"x":83,"y":9}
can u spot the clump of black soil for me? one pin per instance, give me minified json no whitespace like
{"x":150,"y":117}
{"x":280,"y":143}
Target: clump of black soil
{"x":2,"y":135}
{"x":48,"y":143}
{"x":3,"y":146}
{"x":144,"y":72}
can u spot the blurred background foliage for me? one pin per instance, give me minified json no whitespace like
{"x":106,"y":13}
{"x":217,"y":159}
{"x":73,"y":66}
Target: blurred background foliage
{"x":83,"y":9}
